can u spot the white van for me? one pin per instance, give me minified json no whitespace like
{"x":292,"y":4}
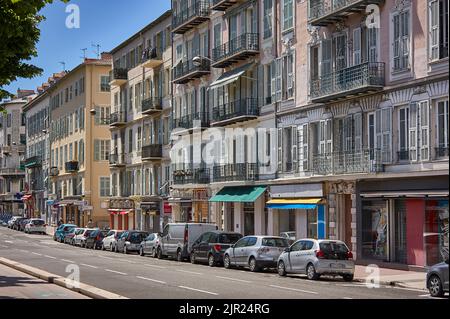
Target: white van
{"x":177,"y":239}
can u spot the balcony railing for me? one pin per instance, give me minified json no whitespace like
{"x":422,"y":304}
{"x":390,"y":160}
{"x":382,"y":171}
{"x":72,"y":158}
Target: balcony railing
{"x":11,"y":171}
{"x":116,"y":159}
{"x":235,"y":111}
{"x":403,"y":155}
{"x":365,"y":161}
{"x":186,"y":71}
{"x":151,"y":57}
{"x":54,"y":171}
{"x":190,"y":17}
{"x":237,"y":49}
{"x":191,"y":176}
{"x":34,"y":161}
{"x":236,"y":172}
{"x":324,"y":12}
{"x":442,"y":151}
{"x":153,"y":151}
{"x":223,"y":5}
{"x":151,"y":105}
{"x":118,"y":119}
{"x":118,"y":76}
{"x":187,"y":122}
{"x":72,"y":167}
{"x":362,"y":78}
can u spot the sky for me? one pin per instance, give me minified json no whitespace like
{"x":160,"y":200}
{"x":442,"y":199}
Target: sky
{"x":104,"y":22}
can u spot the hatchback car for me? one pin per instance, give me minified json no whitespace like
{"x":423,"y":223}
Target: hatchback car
{"x":69,"y":236}
{"x":12,"y":220}
{"x":36,"y":226}
{"x":317,"y":257}
{"x":130,"y":241}
{"x":149,"y":245}
{"x":437,"y":279}
{"x":61,"y":231}
{"x":110,"y":239}
{"x":17,"y":222}
{"x":289,"y":235}
{"x":255,"y":252}
{"x":80,"y":239}
{"x":95,"y":239}
{"x":211,"y":246}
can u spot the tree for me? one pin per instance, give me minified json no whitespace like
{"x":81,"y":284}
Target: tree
{"x":19,"y":33}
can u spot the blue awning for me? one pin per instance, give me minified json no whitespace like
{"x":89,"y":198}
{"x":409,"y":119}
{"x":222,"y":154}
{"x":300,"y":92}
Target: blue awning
{"x":299,"y":203}
{"x":292,"y":206}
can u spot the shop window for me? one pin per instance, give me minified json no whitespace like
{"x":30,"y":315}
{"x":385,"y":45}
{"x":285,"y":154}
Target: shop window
{"x":312,"y":224}
{"x":375,"y":229}
{"x":400,"y":224}
{"x":436,"y":231}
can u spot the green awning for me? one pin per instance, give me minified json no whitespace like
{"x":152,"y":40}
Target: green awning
{"x":238,"y":194}
{"x":30,"y":164}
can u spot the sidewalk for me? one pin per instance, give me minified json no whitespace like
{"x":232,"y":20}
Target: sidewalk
{"x":393,"y":277}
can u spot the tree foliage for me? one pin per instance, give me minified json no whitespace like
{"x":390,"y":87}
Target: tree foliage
{"x":19,"y":34}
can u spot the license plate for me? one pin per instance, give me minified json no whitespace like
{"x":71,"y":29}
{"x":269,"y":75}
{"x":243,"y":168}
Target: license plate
{"x":337,"y":266}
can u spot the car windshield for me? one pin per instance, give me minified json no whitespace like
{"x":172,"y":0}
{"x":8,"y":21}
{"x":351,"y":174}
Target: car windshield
{"x":275,"y":242}
{"x":137,"y":237}
{"x":38,"y":222}
{"x":333,"y":247}
{"x":229,"y":238}
{"x":88,"y":232}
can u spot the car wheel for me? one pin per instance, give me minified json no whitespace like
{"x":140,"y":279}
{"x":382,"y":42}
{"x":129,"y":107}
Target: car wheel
{"x":116,"y":249}
{"x":311,"y":272}
{"x":154,"y":252}
{"x":193,"y":260}
{"x":179,"y":256}
{"x":125,"y":251}
{"x":227,"y":262}
{"x":348,"y":277}
{"x":141,"y":251}
{"x":103,"y":247}
{"x":253,"y":265}
{"x":282,"y":269}
{"x":435,"y":286}
{"x":211,"y":260}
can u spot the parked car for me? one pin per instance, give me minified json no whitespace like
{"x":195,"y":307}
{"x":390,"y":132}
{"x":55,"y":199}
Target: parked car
{"x":80,"y":239}
{"x":95,"y":239}
{"x":36,"y":225}
{"x":68,"y":238}
{"x":317,"y":257}
{"x":177,"y":239}
{"x":22,"y":224}
{"x":437,"y":279}
{"x":255,"y":252}
{"x":289,"y":235}
{"x":122,"y":234}
{"x":211,"y":246}
{"x":149,"y":245}
{"x":12,"y":220}
{"x":130,"y":241}
{"x":16,"y":223}
{"x":61,"y":231}
{"x":110,"y":239}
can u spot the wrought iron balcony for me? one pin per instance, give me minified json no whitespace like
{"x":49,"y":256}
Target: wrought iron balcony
{"x":72,"y":167}
{"x":403,"y":155}
{"x":236,"y":172}
{"x":54,"y":171}
{"x":359,"y":79}
{"x":118,"y":76}
{"x":34,"y":161}
{"x":151,"y":58}
{"x":325,"y":12}
{"x":235,"y":111}
{"x":223,"y":5}
{"x":11,"y":172}
{"x":152,"y":152}
{"x":336,"y":163}
{"x":118,"y":119}
{"x":190,"y":17}
{"x":191,"y":121}
{"x":116,"y":159}
{"x":186,"y":71}
{"x":191,"y":176}
{"x":442,"y":151}
{"x":151,"y":105}
{"x":237,"y":49}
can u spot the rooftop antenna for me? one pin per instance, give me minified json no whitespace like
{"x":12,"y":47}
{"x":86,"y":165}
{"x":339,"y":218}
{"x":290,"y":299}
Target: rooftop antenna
{"x":84,"y":53}
{"x":97,"y":51}
{"x":63,"y":65}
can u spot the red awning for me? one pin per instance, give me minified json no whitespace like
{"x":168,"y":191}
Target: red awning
{"x":118,"y":212}
{"x":27,"y":197}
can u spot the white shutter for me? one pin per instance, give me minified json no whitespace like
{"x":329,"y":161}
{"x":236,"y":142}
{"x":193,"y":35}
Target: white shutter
{"x":280,"y":150}
{"x":279,"y":81}
{"x":357,"y":46}
{"x":357,"y":126}
{"x":387,"y":136}
{"x":294,"y":149}
{"x":413,"y":115}
{"x":322,"y":133}
{"x":303,"y":144}
{"x":396,"y":42}
{"x":273,"y":81}
{"x":424,"y":131}
{"x":329,"y":136}
{"x":325,"y":63}
{"x":290,"y":75}
{"x":434,"y":29}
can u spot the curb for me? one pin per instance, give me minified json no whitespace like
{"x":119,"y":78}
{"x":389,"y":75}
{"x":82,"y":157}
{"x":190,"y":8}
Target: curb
{"x":392,"y":284}
{"x":84,"y":289}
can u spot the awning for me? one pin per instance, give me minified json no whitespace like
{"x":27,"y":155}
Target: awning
{"x":238,"y":194}
{"x":411,"y":194}
{"x":119,"y":211}
{"x":27,"y":197}
{"x":230,"y":76}
{"x":300,"y":203}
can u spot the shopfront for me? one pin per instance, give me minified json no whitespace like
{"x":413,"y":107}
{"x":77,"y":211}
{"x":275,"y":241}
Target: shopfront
{"x":150,"y":216}
{"x":121,"y":212}
{"x":404,"y":226}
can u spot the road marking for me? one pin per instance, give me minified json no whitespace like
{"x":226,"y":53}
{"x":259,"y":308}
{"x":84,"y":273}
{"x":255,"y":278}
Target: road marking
{"x":106,"y":257}
{"x":130,"y":262}
{"x":37,"y":254}
{"x":68,"y":261}
{"x":155,"y":266}
{"x":49,"y":257}
{"x":90,"y":266}
{"x":189,"y":272}
{"x":229,"y":278}
{"x":410,"y":289}
{"x":352,"y":285}
{"x":9,"y":242}
{"x":4,"y":246}
{"x":198,"y":290}
{"x":346,"y":298}
{"x":24,"y":251}
{"x":154,"y":280}
{"x":295,"y":289}
{"x":116,"y":272}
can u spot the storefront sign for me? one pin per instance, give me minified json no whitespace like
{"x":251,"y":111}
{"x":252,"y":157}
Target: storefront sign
{"x":121,"y":204}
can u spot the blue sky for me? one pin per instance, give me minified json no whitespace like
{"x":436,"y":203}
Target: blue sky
{"x":103,"y":22}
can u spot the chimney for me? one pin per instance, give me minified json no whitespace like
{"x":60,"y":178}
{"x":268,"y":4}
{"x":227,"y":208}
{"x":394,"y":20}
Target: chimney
{"x":106,"y":56}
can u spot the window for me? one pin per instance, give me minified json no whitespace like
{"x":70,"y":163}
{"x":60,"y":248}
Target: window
{"x":438,"y":29}
{"x":419,"y":131}
{"x":442,"y":125}
{"x":104,"y":83}
{"x":303,"y":147}
{"x":372,"y":44}
{"x":217,"y":35}
{"x":67,"y":95}
{"x":130,"y":140}
{"x":403,"y":134}
{"x":104,"y":186}
{"x":288,"y":14}
{"x":101,"y":150}
{"x":268,"y":16}
{"x":276,"y":84}
{"x":139,"y":138}
{"x":357,"y":46}
{"x":401,"y":41}
{"x":102,"y":115}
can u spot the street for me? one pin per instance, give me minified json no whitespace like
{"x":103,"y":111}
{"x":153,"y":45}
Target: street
{"x":139,"y":277}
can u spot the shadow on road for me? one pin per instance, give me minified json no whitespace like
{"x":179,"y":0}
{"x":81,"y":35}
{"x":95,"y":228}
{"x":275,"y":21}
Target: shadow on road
{"x":18,"y":281}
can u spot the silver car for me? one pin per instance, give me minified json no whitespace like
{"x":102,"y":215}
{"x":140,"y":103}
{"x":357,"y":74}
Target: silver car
{"x":437,"y":279}
{"x":149,"y":245}
{"x":317,"y":257}
{"x":255,"y":252}
{"x":36,"y":225}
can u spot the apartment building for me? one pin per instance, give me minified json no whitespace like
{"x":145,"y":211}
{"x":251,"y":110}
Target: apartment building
{"x":12,"y":146}
{"x":80,"y":144}
{"x":366,"y":140}
{"x":139,"y":128}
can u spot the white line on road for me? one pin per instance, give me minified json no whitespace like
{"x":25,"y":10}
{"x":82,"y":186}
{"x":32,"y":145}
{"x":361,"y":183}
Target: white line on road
{"x":24,"y":251}
{"x":295,"y":289}
{"x":155,"y":266}
{"x":116,"y":272}
{"x":37,"y":254}
{"x":189,"y":272}
{"x":4,"y":246}
{"x":90,"y":266}
{"x":47,"y":256}
{"x":104,"y":257}
{"x":154,"y":280}
{"x":68,"y":261}
{"x":131,"y":262}
{"x":9,"y":242}
{"x":234,"y":279}
{"x":410,"y":289}
{"x":346,"y":298}
{"x":198,"y":290}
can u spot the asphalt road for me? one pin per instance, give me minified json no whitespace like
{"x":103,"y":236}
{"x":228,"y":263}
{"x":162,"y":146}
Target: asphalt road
{"x":134,"y":276}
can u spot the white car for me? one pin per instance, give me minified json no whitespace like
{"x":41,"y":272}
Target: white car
{"x":12,"y":220}
{"x":110,"y":239}
{"x":80,"y":239}
{"x":36,"y":225}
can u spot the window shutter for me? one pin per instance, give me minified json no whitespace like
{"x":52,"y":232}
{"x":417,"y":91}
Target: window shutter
{"x":424,"y":131}
{"x":329,"y":136}
{"x":325,"y":64}
{"x":357,"y":46}
{"x":273,"y":81}
{"x":387,"y":136}
{"x":96,"y":150}
{"x":396,"y":44}
{"x":279,"y":81}
{"x":413,"y":115}
{"x":280,"y":150}
{"x":434,"y":29}
{"x":294,"y":139}
{"x":357,"y":120}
